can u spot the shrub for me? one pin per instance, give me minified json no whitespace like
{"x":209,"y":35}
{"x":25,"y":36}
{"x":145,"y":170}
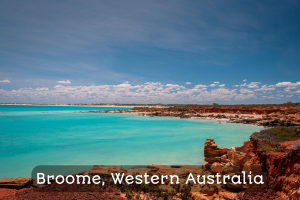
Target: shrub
{"x":128,"y":194}
{"x":277,"y":134}
{"x":215,"y":105}
{"x":138,"y":195}
{"x":284,"y":133}
{"x":267,"y":148}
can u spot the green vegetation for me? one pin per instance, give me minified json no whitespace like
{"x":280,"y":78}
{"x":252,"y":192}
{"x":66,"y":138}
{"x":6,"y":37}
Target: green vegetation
{"x":267,"y":149}
{"x":278,"y":134}
{"x":128,"y":194}
{"x":138,"y":195}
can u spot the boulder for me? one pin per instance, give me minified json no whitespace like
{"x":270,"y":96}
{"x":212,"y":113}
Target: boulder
{"x":212,"y":152}
{"x":237,"y":158}
{"x":227,"y":168}
{"x":206,"y":166}
{"x":216,"y":167}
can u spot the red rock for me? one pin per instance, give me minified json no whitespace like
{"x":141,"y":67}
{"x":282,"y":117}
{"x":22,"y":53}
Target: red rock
{"x":227,"y":168}
{"x":16,"y":183}
{"x":4,"y":192}
{"x":216,"y":167}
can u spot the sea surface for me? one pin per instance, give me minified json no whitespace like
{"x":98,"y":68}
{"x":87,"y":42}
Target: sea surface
{"x":62,"y":135}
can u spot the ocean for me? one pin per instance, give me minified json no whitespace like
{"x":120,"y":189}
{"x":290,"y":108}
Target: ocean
{"x":62,"y":135}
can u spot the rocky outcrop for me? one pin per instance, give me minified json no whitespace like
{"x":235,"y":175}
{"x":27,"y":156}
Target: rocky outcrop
{"x":16,"y":183}
{"x":270,"y":116}
{"x":226,"y":162}
{"x":280,"y":170}
{"x":212,"y":153}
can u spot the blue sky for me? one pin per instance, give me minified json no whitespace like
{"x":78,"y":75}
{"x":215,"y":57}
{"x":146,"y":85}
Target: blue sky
{"x":150,"y":51}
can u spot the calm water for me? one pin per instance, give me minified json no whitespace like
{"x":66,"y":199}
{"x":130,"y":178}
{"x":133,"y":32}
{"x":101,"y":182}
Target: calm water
{"x":58,"y":135}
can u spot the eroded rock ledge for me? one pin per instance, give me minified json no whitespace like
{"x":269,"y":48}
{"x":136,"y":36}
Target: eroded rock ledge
{"x":230,"y":162}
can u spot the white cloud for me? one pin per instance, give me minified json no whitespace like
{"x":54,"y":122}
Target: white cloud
{"x":42,"y":89}
{"x":212,"y":85}
{"x":242,"y":97}
{"x":253,"y":85}
{"x":223,"y":85}
{"x":288,"y":85}
{"x":265,"y":88}
{"x":268,"y":97}
{"x":244,"y":80}
{"x":216,"y":82}
{"x":246,"y":91}
{"x":5,"y":81}
{"x":64,"y":82}
{"x":188,"y":83}
{"x":200,"y":86}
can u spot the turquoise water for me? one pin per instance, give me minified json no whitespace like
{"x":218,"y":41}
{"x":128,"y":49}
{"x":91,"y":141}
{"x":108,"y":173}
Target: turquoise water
{"x":58,"y":135}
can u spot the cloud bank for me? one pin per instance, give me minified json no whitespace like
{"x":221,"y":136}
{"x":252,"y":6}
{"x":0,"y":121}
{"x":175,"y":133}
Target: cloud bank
{"x":154,"y":92}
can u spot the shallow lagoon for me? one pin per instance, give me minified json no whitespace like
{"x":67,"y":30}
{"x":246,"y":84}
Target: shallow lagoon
{"x":58,"y":135}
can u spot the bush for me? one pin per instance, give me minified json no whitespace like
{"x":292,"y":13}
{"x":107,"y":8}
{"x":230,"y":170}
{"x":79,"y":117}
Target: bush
{"x":277,"y":134}
{"x":215,"y":104}
{"x":267,"y":148}
{"x":128,"y":194}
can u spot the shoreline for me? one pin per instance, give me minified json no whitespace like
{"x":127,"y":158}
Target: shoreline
{"x":82,"y":105}
{"x":269,"y":119}
{"x":217,"y":117}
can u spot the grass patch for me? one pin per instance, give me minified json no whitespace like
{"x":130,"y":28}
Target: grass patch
{"x":278,"y":134}
{"x":267,"y":148}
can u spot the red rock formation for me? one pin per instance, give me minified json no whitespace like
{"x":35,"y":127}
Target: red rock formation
{"x":282,"y":171}
{"x":16,"y":183}
{"x":273,"y":116}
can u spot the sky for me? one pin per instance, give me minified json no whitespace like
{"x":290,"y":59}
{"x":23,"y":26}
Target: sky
{"x":228,"y":52}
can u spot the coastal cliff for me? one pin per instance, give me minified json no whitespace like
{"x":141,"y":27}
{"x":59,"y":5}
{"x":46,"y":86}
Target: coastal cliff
{"x":280,"y":169}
